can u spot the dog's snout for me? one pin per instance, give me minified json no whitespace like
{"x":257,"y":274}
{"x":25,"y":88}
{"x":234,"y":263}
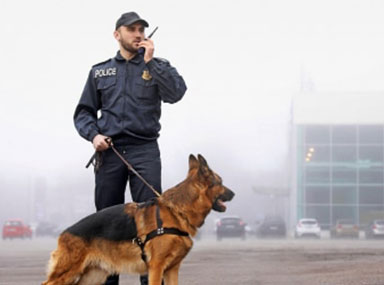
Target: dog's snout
{"x":228,"y":194}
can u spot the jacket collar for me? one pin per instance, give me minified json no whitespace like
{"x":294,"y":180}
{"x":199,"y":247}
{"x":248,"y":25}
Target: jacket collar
{"x":136,"y":59}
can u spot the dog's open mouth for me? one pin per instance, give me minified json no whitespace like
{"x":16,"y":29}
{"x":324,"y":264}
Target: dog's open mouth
{"x":218,"y":204}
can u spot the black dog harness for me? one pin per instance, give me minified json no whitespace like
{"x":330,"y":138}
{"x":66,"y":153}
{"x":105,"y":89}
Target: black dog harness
{"x":158,"y":232}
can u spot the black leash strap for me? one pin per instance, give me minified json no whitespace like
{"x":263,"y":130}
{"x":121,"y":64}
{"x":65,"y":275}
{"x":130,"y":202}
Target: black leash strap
{"x":91,"y":160}
{"x":130,"y":167}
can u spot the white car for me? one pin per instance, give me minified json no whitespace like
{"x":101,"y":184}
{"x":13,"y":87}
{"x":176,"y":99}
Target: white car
{"x":307,"y":227}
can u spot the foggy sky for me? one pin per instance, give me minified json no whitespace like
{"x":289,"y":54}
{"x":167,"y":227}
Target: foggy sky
{"x":242,"y":62}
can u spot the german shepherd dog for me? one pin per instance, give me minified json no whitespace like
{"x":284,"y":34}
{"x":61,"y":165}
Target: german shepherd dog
{"x":151,"y":238}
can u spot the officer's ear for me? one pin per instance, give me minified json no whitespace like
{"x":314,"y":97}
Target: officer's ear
{"x":116,"y":34}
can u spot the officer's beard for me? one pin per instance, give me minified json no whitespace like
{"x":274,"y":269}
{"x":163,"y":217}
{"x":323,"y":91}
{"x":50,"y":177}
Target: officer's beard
{"x":128,"y":47}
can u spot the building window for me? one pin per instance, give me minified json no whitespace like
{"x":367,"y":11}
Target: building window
{"x":317,"y":175}
{"x":317,"y":135}
{"x":344,"y":154}
{"x":370,"y":134}
{"x":343,"y":164}
{"x":371,"y":194}
{"x":317,"y":194}
{"x":371,"y":175}
{"x":344,"y":175}
{"x":371,"y":155}
{"x":344,"y":194}
{"x":344,"y":134}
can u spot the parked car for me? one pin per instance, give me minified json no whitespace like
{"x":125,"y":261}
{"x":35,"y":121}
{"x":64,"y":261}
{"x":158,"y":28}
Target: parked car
{"x":273,"y":226}
{"x":345,"y":228}
{"x":15,"y":228}
{"x":307,"y":228}
{"x":375,"y":229}
{"x":230,"y":226}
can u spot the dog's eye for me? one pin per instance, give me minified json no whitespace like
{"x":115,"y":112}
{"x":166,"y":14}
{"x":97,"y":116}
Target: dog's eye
{"x":215,"y":182}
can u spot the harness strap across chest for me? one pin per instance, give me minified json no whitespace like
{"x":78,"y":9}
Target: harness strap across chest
{"x":158,"y":232}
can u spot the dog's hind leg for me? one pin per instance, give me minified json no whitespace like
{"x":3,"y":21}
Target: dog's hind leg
{"x":93,"y":276}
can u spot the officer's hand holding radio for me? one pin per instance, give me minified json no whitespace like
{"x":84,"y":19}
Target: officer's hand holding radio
{"x":147,"y":45}
{"x":149,"y":49}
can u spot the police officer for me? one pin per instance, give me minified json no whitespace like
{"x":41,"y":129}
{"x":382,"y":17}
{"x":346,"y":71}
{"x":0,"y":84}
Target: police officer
{"x":122,"y":101}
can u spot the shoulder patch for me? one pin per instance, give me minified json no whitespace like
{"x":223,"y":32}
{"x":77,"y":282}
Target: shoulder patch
{"x":161,"y":60}
{"x":100,"y":63}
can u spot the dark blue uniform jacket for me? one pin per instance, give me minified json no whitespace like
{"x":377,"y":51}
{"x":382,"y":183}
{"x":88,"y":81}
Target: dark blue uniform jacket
{"x":128,"y":95}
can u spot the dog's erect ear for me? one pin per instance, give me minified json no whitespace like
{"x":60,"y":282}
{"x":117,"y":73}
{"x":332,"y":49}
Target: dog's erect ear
{"x":202,"y":160}
{"x":204,"y":168}
{"x":193,"y":162}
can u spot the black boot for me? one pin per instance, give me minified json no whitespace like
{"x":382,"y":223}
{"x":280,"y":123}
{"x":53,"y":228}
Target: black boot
{"x":144,"y":280}
{"x":112,"y":280}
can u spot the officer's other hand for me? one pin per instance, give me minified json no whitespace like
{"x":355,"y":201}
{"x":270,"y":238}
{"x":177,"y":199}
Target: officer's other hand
{"x":99,"y":143}
{"x":149,"y":49}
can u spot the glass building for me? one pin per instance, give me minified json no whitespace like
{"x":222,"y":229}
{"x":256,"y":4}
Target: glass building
{"x":338,"y":163}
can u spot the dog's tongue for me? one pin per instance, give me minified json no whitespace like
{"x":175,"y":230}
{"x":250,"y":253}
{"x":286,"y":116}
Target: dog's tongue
{"x":221,"y":203}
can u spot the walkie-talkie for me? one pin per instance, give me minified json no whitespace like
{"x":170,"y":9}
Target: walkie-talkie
{"x":142,"y":50}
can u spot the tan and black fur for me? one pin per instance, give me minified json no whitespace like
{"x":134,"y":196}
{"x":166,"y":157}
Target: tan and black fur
{"x":102,"y":243}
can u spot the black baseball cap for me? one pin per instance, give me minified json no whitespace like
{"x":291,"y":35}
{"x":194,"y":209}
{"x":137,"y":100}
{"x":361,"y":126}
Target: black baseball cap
{"x":130,"y":18}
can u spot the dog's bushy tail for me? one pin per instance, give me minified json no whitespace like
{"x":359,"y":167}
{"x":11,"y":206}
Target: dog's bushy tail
{"x":66,"y":262}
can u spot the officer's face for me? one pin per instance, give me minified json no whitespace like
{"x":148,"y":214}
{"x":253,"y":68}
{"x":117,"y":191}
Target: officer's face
{"x":129,"y":37}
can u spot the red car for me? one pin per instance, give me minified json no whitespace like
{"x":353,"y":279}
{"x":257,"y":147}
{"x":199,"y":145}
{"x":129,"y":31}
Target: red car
{"x":15,"y":228}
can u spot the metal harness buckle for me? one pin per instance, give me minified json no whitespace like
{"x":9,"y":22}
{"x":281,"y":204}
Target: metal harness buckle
{"x":137,"y":240}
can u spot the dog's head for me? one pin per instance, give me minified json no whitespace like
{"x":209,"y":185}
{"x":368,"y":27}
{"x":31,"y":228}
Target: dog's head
{"x":212,"y":183}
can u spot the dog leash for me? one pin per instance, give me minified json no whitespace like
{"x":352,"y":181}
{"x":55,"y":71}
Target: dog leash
{"x":130,"y":167}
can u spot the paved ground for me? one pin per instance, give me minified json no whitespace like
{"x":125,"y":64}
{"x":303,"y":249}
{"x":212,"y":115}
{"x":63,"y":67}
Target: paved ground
{"x":232,"y":261}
